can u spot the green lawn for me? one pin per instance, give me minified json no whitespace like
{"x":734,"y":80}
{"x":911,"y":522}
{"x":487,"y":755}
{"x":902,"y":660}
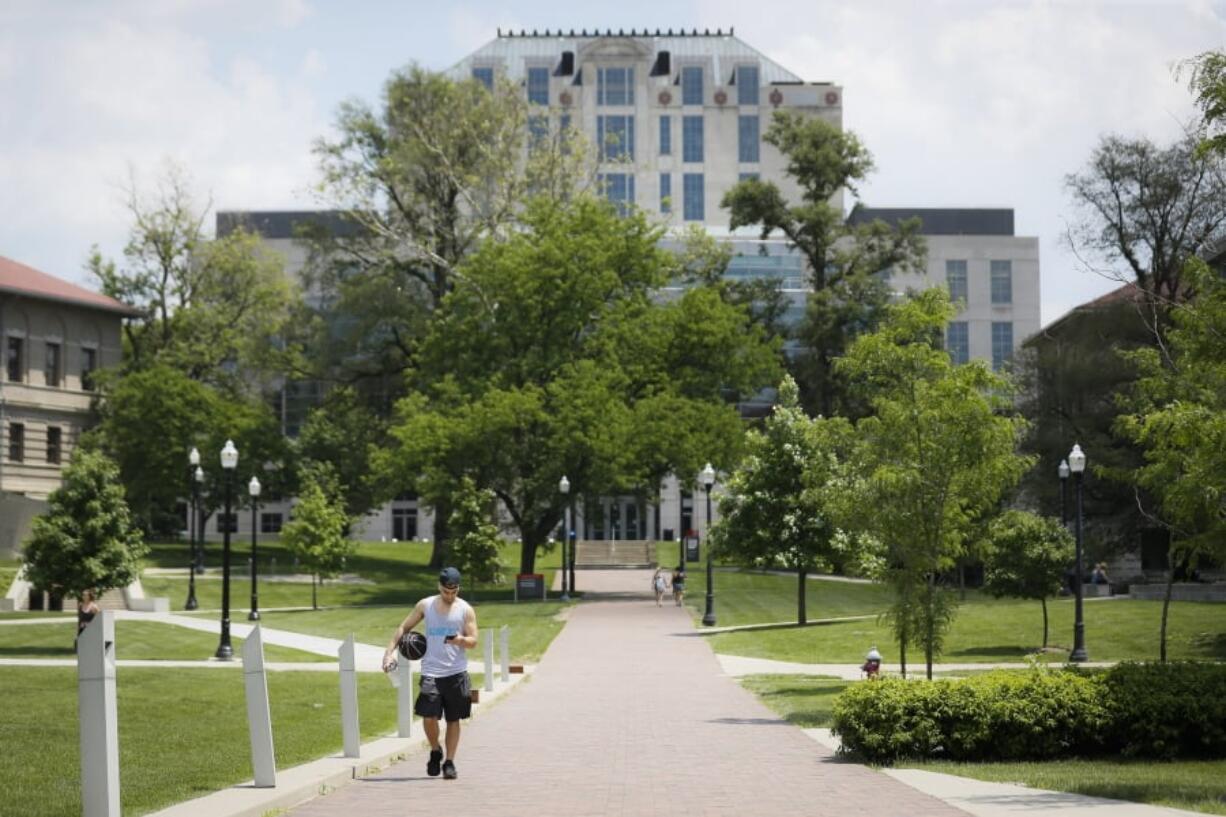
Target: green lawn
{"x":135,"y":640}
{"x":182,"y":733}
{"x":533,"y":625}
{"x":753,"y":597}
{"x":804,"y":700}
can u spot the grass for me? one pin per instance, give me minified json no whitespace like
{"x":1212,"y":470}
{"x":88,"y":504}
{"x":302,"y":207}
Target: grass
{"x":753,"y":597}
{"x":134,"y":640}
{"x":182,"y":733}
{"x":804,"y":700}
{"x":533,"y":625}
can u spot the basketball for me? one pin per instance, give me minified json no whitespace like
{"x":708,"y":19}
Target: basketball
{"x":413,"y":645}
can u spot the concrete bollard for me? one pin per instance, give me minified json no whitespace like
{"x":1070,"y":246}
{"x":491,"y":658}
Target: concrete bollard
{"x":99,"y":719}
{"x":259,"y":716}
{"x":488,"y":643}
{"x":506,"y":652}
{"x":349,"y":700}
{"x":404,"y":698}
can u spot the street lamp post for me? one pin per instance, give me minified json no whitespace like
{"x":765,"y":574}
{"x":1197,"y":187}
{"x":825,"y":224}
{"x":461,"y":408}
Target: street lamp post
{"x":199,"y":526}
{"x":229,"y":461}
{"x":1063,"y":472}
{"x":564,"y":490}
{"x":253,"y":488}
{"x":1077,"y":464}
{"x":707,"y":477}
{"x":193,"y":462}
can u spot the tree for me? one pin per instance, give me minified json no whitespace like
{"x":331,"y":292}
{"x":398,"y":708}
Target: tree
{"x":1028,"y":557}
{"x":1208,"y":85}
{"x":844,"y":260}
{"x":772,"y":511}
{"x":86,"y":540}
{"x":474,"y":546}
{"x":316,"y":534}
{"x":343,"y":432}
{"x":933,"y":458}
{"x":1177,"y":414}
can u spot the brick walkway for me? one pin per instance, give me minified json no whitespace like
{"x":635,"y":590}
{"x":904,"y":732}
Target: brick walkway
{"x":629,"y":714}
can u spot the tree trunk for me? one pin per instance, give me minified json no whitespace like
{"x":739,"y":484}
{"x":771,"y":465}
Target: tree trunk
{"x":962,"y":582}
{"x":902,"y":651}
{"x":929,"y":623}
{"x":1044,"y":603}
{"x":314,"y":597}
{"x":527,"y":556}
{"x":438,"y":554}
{"x":802,"y":573}
{"x":1166,"y":607}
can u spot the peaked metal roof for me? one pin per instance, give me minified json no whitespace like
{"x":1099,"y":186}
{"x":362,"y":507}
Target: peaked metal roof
{"x":510,"y":50}
{"x":20,"y":279}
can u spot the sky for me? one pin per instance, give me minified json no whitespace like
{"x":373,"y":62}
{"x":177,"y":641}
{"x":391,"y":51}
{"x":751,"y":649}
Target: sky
{"x":962,"y":104}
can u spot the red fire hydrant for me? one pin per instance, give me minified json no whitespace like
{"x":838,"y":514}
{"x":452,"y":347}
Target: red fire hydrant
{"x":872,"y":664}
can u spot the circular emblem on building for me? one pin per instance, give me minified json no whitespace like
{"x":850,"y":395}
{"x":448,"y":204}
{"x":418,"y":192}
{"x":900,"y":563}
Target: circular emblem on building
{"x":565,"y":98}
{"x":832,"y":98}
{"x":665,"y":98}
{"x":776,"y":97}
{"x":720,"y":97}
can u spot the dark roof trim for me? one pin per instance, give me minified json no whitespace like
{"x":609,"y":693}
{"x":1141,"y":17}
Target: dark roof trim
{"x":621,"y":32}
{"x":940,"y":220}
{"x":287,"y":223}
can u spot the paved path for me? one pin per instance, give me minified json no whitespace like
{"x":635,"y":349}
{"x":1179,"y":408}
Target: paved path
{"x":625,"y":716}
{"x":737,"y":665}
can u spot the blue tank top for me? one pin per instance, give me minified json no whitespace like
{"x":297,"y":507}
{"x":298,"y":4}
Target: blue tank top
{"x":441,"y":658}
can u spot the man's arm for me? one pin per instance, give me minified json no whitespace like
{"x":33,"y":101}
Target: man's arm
{"x":469,"y":639}
{"x":410,"y":621}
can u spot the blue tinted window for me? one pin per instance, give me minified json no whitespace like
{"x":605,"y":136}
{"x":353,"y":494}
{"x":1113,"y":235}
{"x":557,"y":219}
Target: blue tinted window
{"x":485,"y":76}
{"x":538,"y":130}
{"x":957,"y":342}
{"x":955,"y":279}
{"x":747,"y":176}
{"x":666,"y":192}
{"x":1002,"y":344}
{"x":538,"y":86}
{"x":614,"y":86}
{"x":693,"y":194}
{"x":691,"y":85}
{"x":691,"y":138}
{"x":747,"y":85}
{"x":747,"y":138}
{"x":1002,"y":282}
{"x":666,"y":135}
{"x":615,"y":137}
{"x":619,"y":189}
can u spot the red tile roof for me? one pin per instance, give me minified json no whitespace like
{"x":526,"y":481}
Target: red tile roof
{"x":22,"y":280}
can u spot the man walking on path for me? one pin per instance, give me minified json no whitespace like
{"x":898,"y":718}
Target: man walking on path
{"x":445,"y":690}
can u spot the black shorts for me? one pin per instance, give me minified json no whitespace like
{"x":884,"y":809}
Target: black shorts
{"x":449,"y":697}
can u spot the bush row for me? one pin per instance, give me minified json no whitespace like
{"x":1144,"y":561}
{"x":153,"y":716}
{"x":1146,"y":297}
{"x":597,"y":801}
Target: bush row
{"x":1145,"y":710}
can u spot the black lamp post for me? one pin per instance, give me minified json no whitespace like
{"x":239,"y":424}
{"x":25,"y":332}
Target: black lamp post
{"x":564,"y":490}
{"x":707,"y":477}
{"x":680,"y":525}
{"x":253,"y":488}
{"x":1064,"y":472}
{"x":229,"y":461}
{"x":193,"y":462}
{"x":1077,"y":464}
{"x":198,"y":525}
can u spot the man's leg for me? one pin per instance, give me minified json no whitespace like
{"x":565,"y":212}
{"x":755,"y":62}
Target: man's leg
{"x":434,"y":765}
{"x":430,"y":725}
{"x":452,"y":737}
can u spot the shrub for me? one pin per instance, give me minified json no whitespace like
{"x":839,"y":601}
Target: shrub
{"x":1176,"y":709}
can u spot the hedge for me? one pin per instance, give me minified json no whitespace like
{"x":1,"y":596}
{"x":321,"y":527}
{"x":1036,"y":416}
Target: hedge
{"x":1149,"y":710}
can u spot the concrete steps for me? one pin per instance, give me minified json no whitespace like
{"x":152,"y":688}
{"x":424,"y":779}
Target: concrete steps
{"x":623,"y":553}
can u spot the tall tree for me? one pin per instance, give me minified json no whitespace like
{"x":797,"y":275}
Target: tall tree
{"x":1208,"y":85}
{"x":86,"y":540}
{"x":316,"y":534}
{"x":475,"y":542}
{"x":343,"y":432}
{"x":934,"y":457}
{"x":772,"y":512}
{"x":844,"y":260}
{"x":1027,"y":558}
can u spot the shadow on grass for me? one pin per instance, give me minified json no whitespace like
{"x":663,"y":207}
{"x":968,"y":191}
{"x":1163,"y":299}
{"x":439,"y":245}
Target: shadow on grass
{"x":1002,"y":651}
{"x":38,"y":651}
{"x":760,"y":628}
{"x":750,"y":721}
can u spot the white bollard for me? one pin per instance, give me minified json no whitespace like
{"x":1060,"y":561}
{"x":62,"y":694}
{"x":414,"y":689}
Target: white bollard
{"x":99,"y":718}
{"x":349,"y":700}
{"x":404,"y":698}
{"x":506,"y":652}
{"x":488,"y":643}
{"x":259,"y":716}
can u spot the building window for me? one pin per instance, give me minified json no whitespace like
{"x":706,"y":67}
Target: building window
{"x":538,"y":131}
{"x":666,"y":135}
{"x":1002,"y":282}
{"x":614,"y":86}
{"x":666,"y":192}
{"x":404,"y":524}
{"x":485,"y":76}
{"x":271,"y":522}
{"x":51,"y":367}
{"x":693,"y":195}
{"x":17,"y":442}
{"x":53,"y":445}
{"x":955,"y":279}
{"x":619,"y":189}
{"x":89,"y":362}
{"x":747,"y":138}
{"x":222,"y":521}
{"x":691,"y":85}
{"x":747,"y":85}
{"x":958,"y":342}
{"x":691,"y":138}
{"x":615,"y":136}
{"x":538,"y":86}
{"x":12,"y":359}
{"x":744,"y":177}
{"x":1002,"y":344}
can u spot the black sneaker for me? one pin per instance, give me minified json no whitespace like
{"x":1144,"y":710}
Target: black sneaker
{"x":432,"y":766}
{"x":448,"y":770}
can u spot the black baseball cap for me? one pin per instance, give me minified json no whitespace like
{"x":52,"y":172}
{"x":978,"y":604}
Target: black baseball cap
{"x":449,"y":575}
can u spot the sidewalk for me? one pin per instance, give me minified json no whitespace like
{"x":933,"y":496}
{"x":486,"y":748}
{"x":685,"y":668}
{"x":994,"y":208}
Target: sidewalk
{"x":737,"y":666}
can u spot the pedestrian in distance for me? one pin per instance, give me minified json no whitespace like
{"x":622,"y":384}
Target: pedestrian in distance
{"x":679,"y":585}
{"x":445,"y":691}
{"x":659,"y":584}
{"x":87,"y":608}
